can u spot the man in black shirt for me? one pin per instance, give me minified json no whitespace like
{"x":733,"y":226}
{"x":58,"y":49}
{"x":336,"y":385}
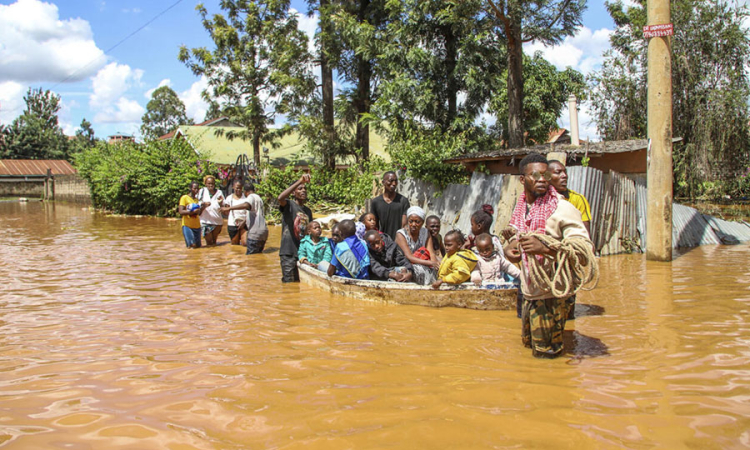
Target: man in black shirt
{"x":387,"y":261}
{"x":294,"y":219}
{"x":390,"y":208}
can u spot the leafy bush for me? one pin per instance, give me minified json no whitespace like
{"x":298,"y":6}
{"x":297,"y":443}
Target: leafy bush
{"x":339,"y":188}
{"x":420,"y":152}
{"x":146,"y":179}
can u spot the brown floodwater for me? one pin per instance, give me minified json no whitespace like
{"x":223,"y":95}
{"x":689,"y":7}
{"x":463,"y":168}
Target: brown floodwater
{"x":113,"y":335}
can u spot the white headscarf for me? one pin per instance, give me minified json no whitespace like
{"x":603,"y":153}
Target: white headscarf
{"x":415,"y":211}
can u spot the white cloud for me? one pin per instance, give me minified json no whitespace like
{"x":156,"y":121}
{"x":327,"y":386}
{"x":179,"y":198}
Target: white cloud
{"x":583,"y":52}
{"x":195,"y":106}
{"x":150,"y":92}
{"x":108,"y":99}
{"x":35,"y":45}
{"x":308,"y":25}
{"x":11,"y":101}
{"x":111,"y":82}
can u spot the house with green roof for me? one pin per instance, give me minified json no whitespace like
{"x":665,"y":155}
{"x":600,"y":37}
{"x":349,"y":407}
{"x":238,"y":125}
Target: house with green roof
{"x":222,"y":150}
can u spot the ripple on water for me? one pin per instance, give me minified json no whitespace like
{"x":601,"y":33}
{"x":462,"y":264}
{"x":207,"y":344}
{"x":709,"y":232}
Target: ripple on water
{"x":112,"y":335}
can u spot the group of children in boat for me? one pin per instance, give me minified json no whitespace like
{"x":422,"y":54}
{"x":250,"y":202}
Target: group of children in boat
{"x":396,"y":242}
{"x":377,"y":247}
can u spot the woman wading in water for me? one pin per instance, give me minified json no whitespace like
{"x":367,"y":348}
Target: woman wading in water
{"x":236,"y":206}
{"x":414,"y":241}
{"x":190,"y":209}
{"x":211,"y":218}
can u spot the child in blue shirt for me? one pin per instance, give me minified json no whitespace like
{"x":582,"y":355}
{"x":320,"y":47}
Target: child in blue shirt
{"x":314,"y":248}
{"x":350,"y":257}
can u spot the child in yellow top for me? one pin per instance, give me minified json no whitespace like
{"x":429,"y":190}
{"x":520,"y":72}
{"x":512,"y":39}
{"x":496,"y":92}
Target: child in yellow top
{"x":457,"y":265}
{"x":189,"y":208}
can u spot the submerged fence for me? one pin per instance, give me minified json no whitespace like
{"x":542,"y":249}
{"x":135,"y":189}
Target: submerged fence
{"x":618,"y":209}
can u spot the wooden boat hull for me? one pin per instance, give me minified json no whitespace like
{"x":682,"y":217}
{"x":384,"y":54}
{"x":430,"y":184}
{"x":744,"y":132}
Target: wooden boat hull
{"x":461,"y":296}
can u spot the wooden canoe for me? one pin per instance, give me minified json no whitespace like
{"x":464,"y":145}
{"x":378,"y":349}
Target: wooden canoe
{"x":461,"y":296}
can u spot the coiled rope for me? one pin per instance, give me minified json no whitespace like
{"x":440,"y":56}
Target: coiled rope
{"x":575,"y":266}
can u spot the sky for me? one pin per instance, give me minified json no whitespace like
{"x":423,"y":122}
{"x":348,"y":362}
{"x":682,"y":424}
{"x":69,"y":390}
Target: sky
{"x":105,"y":57}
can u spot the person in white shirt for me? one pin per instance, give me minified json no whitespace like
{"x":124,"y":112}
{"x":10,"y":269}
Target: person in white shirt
{"x":236,"y":206}
{"x":211,"y":218}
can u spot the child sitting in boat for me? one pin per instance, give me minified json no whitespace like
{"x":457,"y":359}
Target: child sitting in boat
{"x":387,"y":261}
{"x":481,"y":222}
{"x":458,"y":263}
{"x":350,"y":257}
{"x":314,"y":249}
{"x":370,"y":221}
{"x":492,"y":266}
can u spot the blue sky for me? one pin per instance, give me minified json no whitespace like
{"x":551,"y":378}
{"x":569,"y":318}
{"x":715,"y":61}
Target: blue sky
{"x":65,"y":46}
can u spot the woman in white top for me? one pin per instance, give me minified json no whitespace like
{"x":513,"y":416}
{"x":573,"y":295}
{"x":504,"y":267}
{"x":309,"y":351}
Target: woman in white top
{"x":211,"y":218}
{"x":236,"y":206}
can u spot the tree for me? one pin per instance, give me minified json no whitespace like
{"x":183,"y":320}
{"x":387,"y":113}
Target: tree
{"x":710,"y":54}
{"x":440,"y":64}
{"x":260,"y":67}
{"x":84,"y":138}
{"x":546,"y":21}
{"x":546,"y":93}
{"x":164,"y":112}
{"x":36,"y":133}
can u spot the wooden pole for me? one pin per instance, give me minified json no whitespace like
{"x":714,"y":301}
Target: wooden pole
{"x":659,"y":177}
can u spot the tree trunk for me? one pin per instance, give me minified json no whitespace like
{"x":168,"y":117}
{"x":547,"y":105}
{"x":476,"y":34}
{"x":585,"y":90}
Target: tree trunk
{"x":329,"y":159}
{"x":450,"y":66}
{"x":256,"y":151}
{"x":363,"y":101}
{"x":515,"y":84}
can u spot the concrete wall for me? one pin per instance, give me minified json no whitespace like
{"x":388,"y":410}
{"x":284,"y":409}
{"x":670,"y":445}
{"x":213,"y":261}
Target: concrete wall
{"x":21,"y":188}
{"x":72,"y":188}
{"x":457,"y":202}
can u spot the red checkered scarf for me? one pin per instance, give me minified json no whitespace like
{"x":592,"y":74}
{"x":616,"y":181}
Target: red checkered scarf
{"x":536,"y":222}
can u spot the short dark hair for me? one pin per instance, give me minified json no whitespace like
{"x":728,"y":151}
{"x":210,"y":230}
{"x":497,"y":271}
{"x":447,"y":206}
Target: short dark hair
{"x":390,"y":172}
{"x":194,"y":182}
{"x":362,"y":217}
{"x":432,"y":217}
{"x":554,"y":161}
{"x":530,"y":159}
{"x":482,"y":218}
{"x":249,"y":187}
{"x":484,"y":237}
{"x":371,"y":233}
{"x":458,"y":235}
{"x":347,"y":228}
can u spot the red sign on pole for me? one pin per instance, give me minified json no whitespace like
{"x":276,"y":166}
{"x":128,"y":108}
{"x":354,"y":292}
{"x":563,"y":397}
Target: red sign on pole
{"x":650,"y":31}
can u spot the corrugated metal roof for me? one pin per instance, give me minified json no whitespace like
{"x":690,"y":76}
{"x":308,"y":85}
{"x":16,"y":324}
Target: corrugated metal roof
{"x":729,"y":232}
{"x":690,"y":228}
{"x":35,"y":167}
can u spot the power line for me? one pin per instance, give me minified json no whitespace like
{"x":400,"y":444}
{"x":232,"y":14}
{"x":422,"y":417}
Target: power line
{"x":108,"y":50}
{"x":117,"y":44}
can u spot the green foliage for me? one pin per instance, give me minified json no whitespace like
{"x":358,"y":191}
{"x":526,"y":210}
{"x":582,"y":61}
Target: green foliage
{"x":147,"y":179}
{"x":420,"y":152}
{"x":710,"y":53}
{"x":36,"y":134}
{"x":348,"y":187}
{"x":546,"y":92}
{"x":164,"y":112}
{"x":260,"y":66}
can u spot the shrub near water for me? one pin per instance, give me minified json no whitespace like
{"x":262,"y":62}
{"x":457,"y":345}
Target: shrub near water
{"x":338,"y":189}
{"x":146,"y":179}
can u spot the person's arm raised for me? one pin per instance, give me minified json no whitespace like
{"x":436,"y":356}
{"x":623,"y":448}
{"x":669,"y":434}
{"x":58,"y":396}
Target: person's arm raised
{"x":290,"y":190}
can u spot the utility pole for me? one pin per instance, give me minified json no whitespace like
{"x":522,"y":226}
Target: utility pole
{"x":659,"y":177}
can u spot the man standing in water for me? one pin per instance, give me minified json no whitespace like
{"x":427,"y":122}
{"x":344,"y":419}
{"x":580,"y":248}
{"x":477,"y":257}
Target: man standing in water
{"x":559,"y":181}
{"x":390,"y":208}
{"x":540,"y":209}
{"x":294,"y":219}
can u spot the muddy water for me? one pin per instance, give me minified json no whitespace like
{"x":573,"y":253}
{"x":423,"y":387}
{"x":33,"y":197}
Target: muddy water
{"x":113,"y":335}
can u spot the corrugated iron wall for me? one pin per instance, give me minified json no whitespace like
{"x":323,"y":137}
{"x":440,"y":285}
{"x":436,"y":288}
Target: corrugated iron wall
{"x":618,"y":209}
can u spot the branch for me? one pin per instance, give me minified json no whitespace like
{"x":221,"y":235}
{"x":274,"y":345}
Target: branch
{"x":500,"y":15}
{"x":559,"y":13}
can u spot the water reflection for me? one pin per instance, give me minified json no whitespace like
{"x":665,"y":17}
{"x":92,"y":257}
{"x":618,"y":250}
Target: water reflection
{"x":113,"y":335}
